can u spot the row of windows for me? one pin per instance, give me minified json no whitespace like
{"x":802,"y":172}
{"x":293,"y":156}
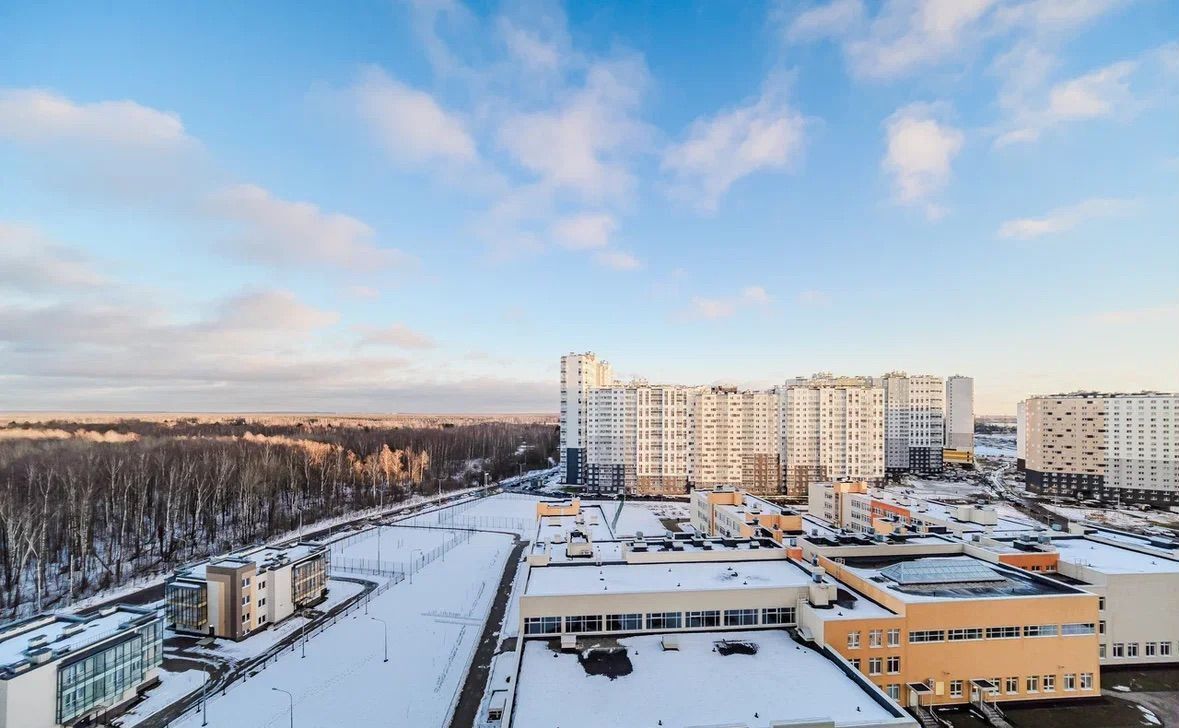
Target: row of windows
{"x":1033,"y":683}
{"x":999,"y":633}
{"x":1130,"y":649}
{"x":633,"y":622}
{"x":891,"y":664}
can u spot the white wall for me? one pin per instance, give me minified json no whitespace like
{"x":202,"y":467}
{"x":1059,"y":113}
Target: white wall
{"x":30,"y":700}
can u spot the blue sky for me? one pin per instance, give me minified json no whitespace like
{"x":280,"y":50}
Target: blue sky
{"x":420,"y":206}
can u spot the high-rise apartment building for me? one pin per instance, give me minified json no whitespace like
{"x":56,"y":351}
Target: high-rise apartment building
{"x":580,"y":373}
{"x":1106,"y":446}
{"x":960,"y":414}
{"x":645,"y":438}
{"x":832,"y":428}
{"x":914,"y":423}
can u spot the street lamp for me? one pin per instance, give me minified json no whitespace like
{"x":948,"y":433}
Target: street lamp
{"x":290,"y":698}
{"x":303,"y":636}
{"x":411,"y":553}
{"x":386,"y":626}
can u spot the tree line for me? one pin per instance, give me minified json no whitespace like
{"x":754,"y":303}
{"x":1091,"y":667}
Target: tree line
{"x":84,"y":507}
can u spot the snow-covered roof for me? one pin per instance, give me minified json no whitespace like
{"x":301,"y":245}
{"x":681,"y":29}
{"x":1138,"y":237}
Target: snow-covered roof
{"x":262,"y":557}
{"x":640,"y":578}
{"x":990,"y":581}
{"x":62,"y":634}
{"x":694,"y":685}
{"x":1111,"y":559}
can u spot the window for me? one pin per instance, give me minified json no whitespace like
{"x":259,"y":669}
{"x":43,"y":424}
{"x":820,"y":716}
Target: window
{"x":262,"y":585}
{"x":853,"y":640}
{"x":1101,"y":604}
{"x":542,"y":625}
{"x":1002,"y":633}
{"x":778,"y":615}
{"x":664,"y":620}
{"x":1131,"y":649}
{"x":1150,"y":649}
{"x":1070,"y":681}
{"x":1164,"y":649}
{"x":1041,"y":630}
{"x":740,"y":617}
{"x":245,"y":581}
{"x":1011,"y":685}
{"x":1101,"y":650}
{"x":1101,"y":627}
{"x":623,"y":622}
{"x":969,"y":633}
{"x":874,"y":665}
{"x":894,"y":638}
{"x":245,"y":599}
{"x":262,"y":602}
{"x":1069,"y":630}
{"x":1086,"y":681}
{"x":245,"y":618}
{"x":584,"y":623}
{"x":1049,"y":683}
{"x":261,"y":619}
{"x":894,"y":691}
{"x":709,"y":618}
{"x":927,"y":635}
{"x":876,"y":638}
{"x":856,"y":663}
{"x":894,"y":665}
{"x":1033,"y":683}
{"x":955,"y":688}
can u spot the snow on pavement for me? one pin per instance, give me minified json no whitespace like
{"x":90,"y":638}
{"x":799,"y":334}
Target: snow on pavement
{"x":173,"y":687}
{"x":434,"y":625}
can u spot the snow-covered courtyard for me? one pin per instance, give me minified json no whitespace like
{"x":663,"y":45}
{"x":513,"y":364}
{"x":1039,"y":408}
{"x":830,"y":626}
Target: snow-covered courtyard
{"x":433,"y":623}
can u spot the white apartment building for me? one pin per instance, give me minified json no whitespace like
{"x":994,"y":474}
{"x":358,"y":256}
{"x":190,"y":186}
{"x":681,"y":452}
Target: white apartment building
{"x":832,"y":428}
{"x":580,"y":373}
{"x":1113,"y":447}
{"x":734,"y":439}
{"x":960,"y":414}
{"x":914,"y":422}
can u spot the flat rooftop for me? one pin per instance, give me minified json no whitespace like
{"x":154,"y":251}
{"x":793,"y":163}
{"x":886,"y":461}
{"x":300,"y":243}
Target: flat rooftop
{"x":693,"y":686}
{"x":60,"y":634}
{"x":1111,"y":559}
{"x":293,"y":553}
{"x":939,"y":578}
{"x":680,"y":576}
{"x":607,"y":551}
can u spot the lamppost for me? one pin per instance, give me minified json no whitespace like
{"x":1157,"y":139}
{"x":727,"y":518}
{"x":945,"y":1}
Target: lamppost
{"x":386,"y":626}
{"x":290,"y":698}
{"x":205,"y":701}
{"x":303,"y":636}
{"x":411,"y":561}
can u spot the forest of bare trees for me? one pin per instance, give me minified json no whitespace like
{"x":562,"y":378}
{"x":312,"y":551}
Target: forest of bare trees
{"x":87,"y":506}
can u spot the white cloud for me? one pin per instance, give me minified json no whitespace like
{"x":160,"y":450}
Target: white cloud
{"x":44,"y":117}
{"x":581,"y":232}
{"x":1166,"y":313}
{"x":411,"y":126}
{"x":529,"y":48}
{"x":279,"y":232}
{"x":396,"y":335}
{"x":1063,"y":219}
{"x":764,"y":135}
{"x":907,"y":36}
{"x":713,"y":308}
{"x":920,"y":152}
{"x":32,"y":263}
{"x":580,"y":146}
{"x":832,"y":20}
{"x":618,"y":260}
{"x":1101,"y":93}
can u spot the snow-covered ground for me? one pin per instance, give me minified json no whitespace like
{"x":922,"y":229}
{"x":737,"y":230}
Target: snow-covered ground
{"x":1117,"y":518}
{"x":995,"y":445}
{"x":433,"y":623}
{"x":641,"y":515}
{"x":339,"y":591}
{"x":173,"y":686}
{"x":513,"y":512}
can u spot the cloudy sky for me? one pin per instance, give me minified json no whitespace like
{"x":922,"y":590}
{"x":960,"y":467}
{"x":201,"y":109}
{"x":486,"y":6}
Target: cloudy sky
{"x":419,"y":206}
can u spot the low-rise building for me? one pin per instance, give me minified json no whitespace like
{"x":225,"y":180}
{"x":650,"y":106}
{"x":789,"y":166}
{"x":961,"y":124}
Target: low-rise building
{"x":63,"y":670}
{"x":236,"y":595}
{"x":733,"y":512}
